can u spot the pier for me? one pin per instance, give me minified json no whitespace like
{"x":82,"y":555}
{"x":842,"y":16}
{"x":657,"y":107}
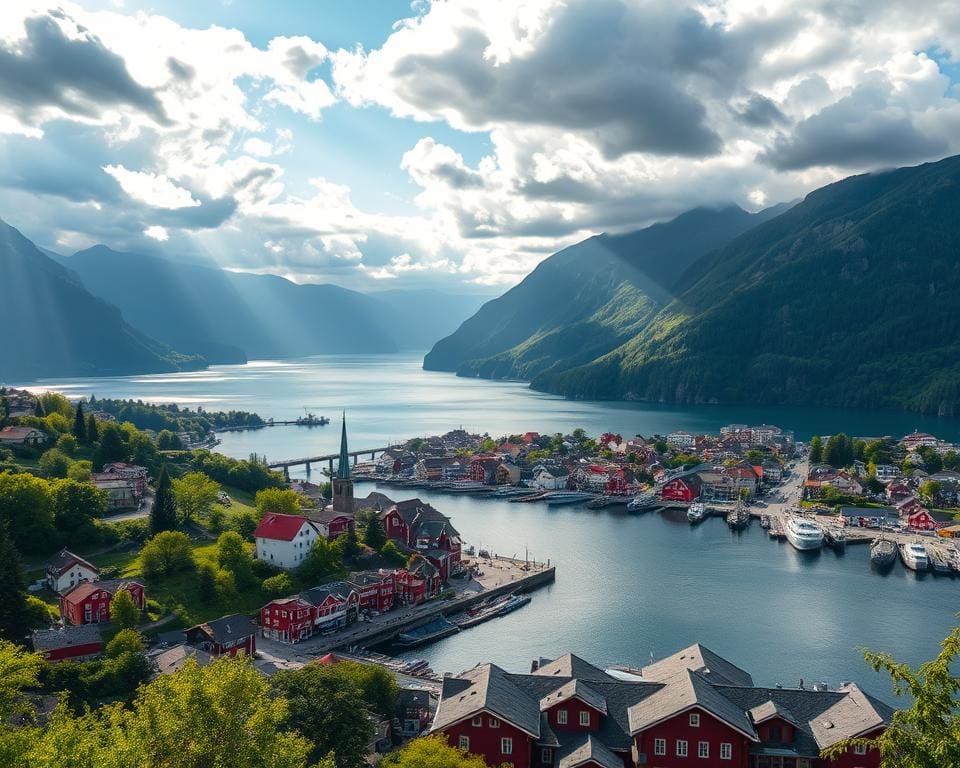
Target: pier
{"x":329,"y":458}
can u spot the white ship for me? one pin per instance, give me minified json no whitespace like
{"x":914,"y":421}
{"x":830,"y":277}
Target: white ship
{"x":803,"y":534}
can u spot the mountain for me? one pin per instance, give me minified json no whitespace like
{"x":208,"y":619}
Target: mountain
{"x":586,"y":300}
{"x":847,"y":299}
{"x":418,"y":317}
{"x":54,"y":327}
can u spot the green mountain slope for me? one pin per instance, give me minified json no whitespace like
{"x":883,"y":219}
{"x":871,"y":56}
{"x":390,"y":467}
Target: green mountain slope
{"x":53,"y":327}
{"x":847,"y":299}
{"x":585,"y":300}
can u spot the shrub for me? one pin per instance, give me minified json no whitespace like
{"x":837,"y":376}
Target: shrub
{"x":279,"y":585}
{"x":166,"y":553}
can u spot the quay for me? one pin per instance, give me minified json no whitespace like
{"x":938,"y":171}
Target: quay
{"x":329,"y":458}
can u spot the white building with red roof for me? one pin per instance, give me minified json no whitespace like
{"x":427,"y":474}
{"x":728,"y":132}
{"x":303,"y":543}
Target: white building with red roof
{"x":284,"y":540}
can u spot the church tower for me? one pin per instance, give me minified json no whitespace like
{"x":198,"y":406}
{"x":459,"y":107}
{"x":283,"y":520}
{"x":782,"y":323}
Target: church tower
{"x":342,"y":482}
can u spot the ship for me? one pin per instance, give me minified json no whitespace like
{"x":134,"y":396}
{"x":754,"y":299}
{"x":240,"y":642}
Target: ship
{"x":883,"y":552}
{"x":568,"y":497}
{"x":697,"y":513}
{"x":914,"y":556}
{"x":803,"y":534}
{"x":427,"y":633}
{"x":643,"y":502}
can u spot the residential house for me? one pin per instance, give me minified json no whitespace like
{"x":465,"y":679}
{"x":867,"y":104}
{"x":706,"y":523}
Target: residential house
{"x":897,"y":491}
{"x":483,"y":469}
{"x":137,"y":475}
{"x":314,"y":611}
{"x":284,"y":540}
{"x":550,"y":477}
{"x":413,"y":711}
{"x":174,"y":659}
{"x":692,"y":708}
{"x":418,"y":526}
{"x":83,"y":642}
{"x":330,"y":522}
{"x":772,"y":472}
{"x":65,"y":570}
{"x":922,"y":520}
{"x":89,"y":601}
{"x":227,"y":636}
{"x":21,"y":436}
{"x":868,"y":517}
{"x":887,"y":472}
{"x":120,"y":492}
{"x":508,"y":474}
{"x":376,"y":590}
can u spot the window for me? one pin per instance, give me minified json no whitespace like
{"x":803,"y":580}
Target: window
{"x":703,"y":749}
{"x":803,"y":762}
{"x":465,"y":743}
{"x":726,"y":751}
{"x":546,"y":756}
{"x":561,"y":717}
{"x":859,"y":749}
{"x":494,"y":723}
{"x":659,"y":746}
{"x":694,"y":720}
{"x":775,"y":734}
{"x":681,"y":747}
{"x":585,"y":718}
{"x":506,"y":746}
{"x":477,"y":721}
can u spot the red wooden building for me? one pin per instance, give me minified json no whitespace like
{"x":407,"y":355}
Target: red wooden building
{"x":376,"y":589}
{"x":691,"y":709}
{"x":686,"y":488}
{"x":81,"y":642}
{"x":89,"y":601}
{"x":417,"y":526}
{"x":226,"y":636}
{"x":314,"y":611}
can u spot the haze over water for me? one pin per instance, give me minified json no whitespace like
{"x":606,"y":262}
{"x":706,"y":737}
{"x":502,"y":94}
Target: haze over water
{"x":627,"y":586}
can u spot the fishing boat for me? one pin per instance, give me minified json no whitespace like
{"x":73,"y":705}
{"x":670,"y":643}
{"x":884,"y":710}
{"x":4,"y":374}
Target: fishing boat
{"x":643,"y":502}
{"x":568,"y":497}
{"x":491,"y":609}
{"x":883,"y":552}
{"x":697,"y":513}
{"x":738,"y":518}
{"x":427,"y":633}
{"x":914,"y":556}
{"x":803,"y":534}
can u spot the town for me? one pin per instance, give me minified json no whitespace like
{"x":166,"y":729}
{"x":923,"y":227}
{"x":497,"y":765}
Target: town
{"x":205,"y":557}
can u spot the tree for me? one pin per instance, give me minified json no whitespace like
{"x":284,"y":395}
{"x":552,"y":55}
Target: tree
{"x":282,"y":500}
{"x":81,"y":471}
{"x":329,"y":709}
{"x":430,"y":752}
{"x":926,"y":733}
{"x":67,"y":444}
{"x":13,"y":606}
{"x":278,"y":585}
{"x":113,"y":446}
{"x":19,"y":671}
{"x":79,"y":424}
{"x":232,"y":555}
{"x":93,"y":430}
{"x":27,"y":509}
{"x":322,"y":561}
{"x":166,"y":553}
{"x":930,"y":490}
{"x":123,"y":611}
{"x":75,"y":504}
{"x":392,"y":554}
{"x":816,"y":449}
{"x":207,"y":582}
{"x":377,"y":686}
{"x":374,"y":537}
{"x":169,"y":441}
{"x":195,"y":495}
{"x":163,"y":515}
{"x":349,"y":543}
{"x":54,"y":463}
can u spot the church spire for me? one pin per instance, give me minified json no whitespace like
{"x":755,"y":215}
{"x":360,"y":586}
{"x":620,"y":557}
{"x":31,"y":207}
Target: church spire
{"x":343,"y":467}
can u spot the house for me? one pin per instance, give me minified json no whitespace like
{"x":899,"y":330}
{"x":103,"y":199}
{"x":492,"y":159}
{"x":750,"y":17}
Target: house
{"x":417,"y":525}
{"x":887,"y":472}
{"x":121,"y":493}
{"x":692,"y":708}
{"x":226,"y":636}
{"x":908,"y":506}
{"x":772,"y":472}
{"x":413,"y":711}
{"x":922,"y":520}
{"x":22,"y":436}
{"x":897,"y":491}
{"x":550,"y":477}
{"x":483,"y":469}
{"x":681,"y":441}
{"x":137,"y":475}
{"x":89,"y":601}
{"x":508,"y":474}
{"x":288,"y":619}
{"x":284,"y":540}
{"x":83,"y":642}
{"x":65,"y":570}
{"x":683,"y":488}
{"x":331,"y":523}
{"x":314,"y":611}
{"x":868,"y":517}
{"x":376,"y":590}
{"x":174,"y":659}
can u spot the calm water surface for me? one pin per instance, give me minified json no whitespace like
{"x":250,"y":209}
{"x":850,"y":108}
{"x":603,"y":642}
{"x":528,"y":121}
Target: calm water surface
{"x":627,"y":586}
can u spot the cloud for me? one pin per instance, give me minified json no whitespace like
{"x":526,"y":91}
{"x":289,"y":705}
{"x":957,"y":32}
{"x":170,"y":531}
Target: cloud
{"x":157,"y":233}
{"x":151,"y":189}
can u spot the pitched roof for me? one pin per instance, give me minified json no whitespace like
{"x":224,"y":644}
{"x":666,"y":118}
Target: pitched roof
{"x":589,"y":750}
{"x":176,"y":658}
{"x":771,"y":708}
{"x":570,"y":665}
{"x":226,"y":628}
{"x":487,"y":688}
{"x":279,"y":527}
{"x":64,"y":559}
{"x":84,"y":589}
{"x":54,"y":639}
{"x":316,"y":595}
{"x":697,"y":657}
{"x":575,"y":689}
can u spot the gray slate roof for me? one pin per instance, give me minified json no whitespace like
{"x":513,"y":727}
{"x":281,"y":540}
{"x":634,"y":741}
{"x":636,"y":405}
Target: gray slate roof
{"x":226,"y":628}
{"x":175,"y":658}
{"x":575,"y":689}
{"x":697,"y":657}
{"x":589,"y":750}
{"x":54,"y":639}
{"x":487,"y":688}
{"x":570,"y":665}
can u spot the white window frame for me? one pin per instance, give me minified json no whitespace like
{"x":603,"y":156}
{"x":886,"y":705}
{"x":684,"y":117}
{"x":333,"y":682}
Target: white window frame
{"x":726,"y":751}
{"x":694,"y":719}
{"x":464,"y":743}
{"x":477,"y":722}
{"x":561,"y":717}
{"x":660,"y":747}
{"x":859,"y":749}
{"x":494,"y":722}
{"x":682,"y":748}
{"x":703,"y":749}
{"x":506,"y":745}
{"x":585,"y":717}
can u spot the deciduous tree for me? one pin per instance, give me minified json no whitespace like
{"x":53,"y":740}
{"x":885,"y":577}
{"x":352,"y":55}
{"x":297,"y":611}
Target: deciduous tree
{"x":26,"y":507}
{"x":282,"y":500}
{"x":195,"y":495}
{"x":75,"y":504}
{"x":123,"y":611}
{"x":431,"y":752}
{"x":322,"y":562}
{"x":232,"y":556}
{"x":166,"y":553}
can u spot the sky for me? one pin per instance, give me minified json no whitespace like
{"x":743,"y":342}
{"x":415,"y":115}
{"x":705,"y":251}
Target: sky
{"x":450,"y":145}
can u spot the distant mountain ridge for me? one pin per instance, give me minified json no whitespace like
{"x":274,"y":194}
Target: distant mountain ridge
{"x":586,"y":300}
{"x":52,"y":326}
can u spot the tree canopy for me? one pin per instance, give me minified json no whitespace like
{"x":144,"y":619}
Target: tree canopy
{"x":431,"y":752}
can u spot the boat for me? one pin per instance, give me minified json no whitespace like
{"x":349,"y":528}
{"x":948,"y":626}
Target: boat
{"x":738,"y":518}
{"x":427,"y":633}
{"x":568,"y":497}
{"x":883,"y":552}
{"x":697,"y":513}
{"x":470,"y":550}
{"x":538,"y":496}
{"x":835,"y":537}
{"x":643,"y":502}
{"x":939,"y":562}
{"x":914,"y":556}
{"x":515,"y":601}
{"x":466,"y":486}
{"x":803,"y":534}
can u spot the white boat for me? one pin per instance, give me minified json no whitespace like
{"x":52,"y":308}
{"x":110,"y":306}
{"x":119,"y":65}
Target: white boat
{"x":697,"y":512}
{"x":914,"y":556}
{"x":803,"y":534}
{"x":643,"y":501}
{"x":568,"y":497}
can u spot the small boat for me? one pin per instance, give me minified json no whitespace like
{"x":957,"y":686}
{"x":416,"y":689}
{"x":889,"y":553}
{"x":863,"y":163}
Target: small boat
{"x":697,"y":513}
{"x":914,"y":556}
{"x":883,"y":552}
{"x":466,"y":487}
{"x":470,"y":550}
{"x":835,"y":537}
{"x":515,"y":601}
{"x":427,"y":633}
{"x":530,"y":497}
{"x":738,"y":518}
{"x":491,"y":609}
{"x":568,"y":497}
{"x":643,"y":502}
{"x":803,"y":534}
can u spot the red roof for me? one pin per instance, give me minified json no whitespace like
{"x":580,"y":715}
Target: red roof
{"x":280,"y":527}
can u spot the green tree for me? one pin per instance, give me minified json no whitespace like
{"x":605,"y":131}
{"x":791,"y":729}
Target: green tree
{"x":81,"y":471}
{"x":79,"y":424}
{"x":27,"y":508}
{"x":374,"y":537}
{"x":430,"y":752}
{"x":165,"y":554}
{"x":328,"y":709}
{"x":377,"y":686}
{"x":859,"y":449}
{"x":19,"y":671}
{"x":67,"y":444}
{"x":76,"y":504}
{"x":207,"y":582}
{"x":951,"y":460}
{"x":281,"y":500}
{"x":232,"y":555}
{"x":349,"y":543}
{"x":392,"y":554}
{"x":123,"y":611}
{"x":113,"y":446}
{"x":169,"y":441}
{"x":13,"y":606}
{"x":926,"y":733}
{"x":930,"y":490}
{"x":54,"y":463}
{"x":93,"y":430}
{"x":279,"y":585}
{"x":322,"y":562}
{"x":816,"y":449}
{"x":195,"y":495}
{"x":838,"y":451}
{"x":163,"y":515}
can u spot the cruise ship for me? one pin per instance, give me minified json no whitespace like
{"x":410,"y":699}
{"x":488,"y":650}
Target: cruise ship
{"x":914,"y":556}
{"x":803,"y":534}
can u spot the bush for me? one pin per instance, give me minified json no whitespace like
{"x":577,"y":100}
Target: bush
{"x":39,"y":615}
{"x":136,"y":531}
{"x":279,"y":585}
{"x":80,"y":471}
{"x":166,"y":553}
{"x":54,"y":463}
{"x":67,"y":444}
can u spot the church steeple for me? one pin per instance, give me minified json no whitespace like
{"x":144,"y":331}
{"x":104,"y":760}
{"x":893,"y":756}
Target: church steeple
{"x":343,"y":467}
{"x":342,"y":483}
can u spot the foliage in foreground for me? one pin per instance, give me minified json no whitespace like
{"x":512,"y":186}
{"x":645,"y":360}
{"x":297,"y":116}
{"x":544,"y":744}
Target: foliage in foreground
{"x":430,"y":752}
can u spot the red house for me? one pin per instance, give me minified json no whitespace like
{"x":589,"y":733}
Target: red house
{"x":376,"y":590}
{"x":417,"y":525}
{"x":691,"y":709}
{"x":89,"y":601}
{"x":922,"y":520}
{"x":686,"y":488}
{"x":226,"y":636}
{"x":82,"y":642}
{"x":289,"y":619}
{"x":331,"y":522}
{"x":317,"y":610}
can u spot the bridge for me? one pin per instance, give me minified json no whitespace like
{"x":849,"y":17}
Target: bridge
{"x":327,"y":457}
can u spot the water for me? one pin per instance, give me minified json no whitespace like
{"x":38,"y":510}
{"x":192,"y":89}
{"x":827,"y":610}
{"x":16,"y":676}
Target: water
{"x":627,"y":586}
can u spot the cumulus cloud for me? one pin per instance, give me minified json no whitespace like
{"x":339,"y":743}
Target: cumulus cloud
{"x":151,"y":189}
{"x":156,"y":232}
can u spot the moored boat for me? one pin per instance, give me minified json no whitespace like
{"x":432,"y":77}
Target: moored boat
{"x":568,"y":497}
{"x":697,"y":512}
{"x":883,"y":552}
{"x":914,"y":556}
{"x":434,"y":630}
{"x":803,"y":534}
{"x":643,"y":502}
